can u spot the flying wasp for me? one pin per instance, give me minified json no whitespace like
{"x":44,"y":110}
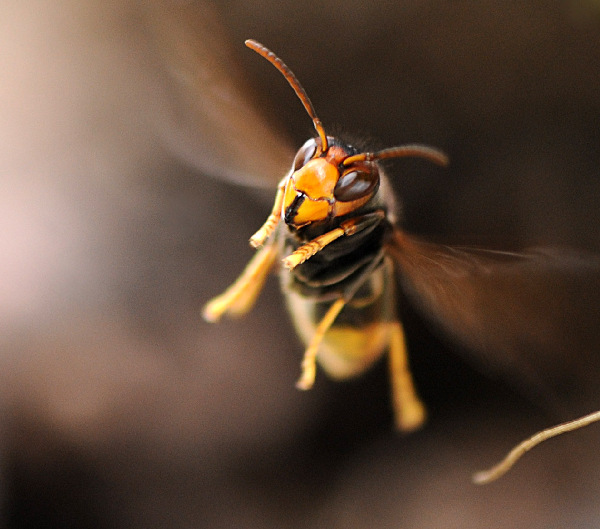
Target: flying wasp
{"x":345,"y":261}
{"x":332,"y":220}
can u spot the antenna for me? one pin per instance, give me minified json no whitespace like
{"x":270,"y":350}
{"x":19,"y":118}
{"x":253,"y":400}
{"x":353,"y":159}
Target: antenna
{"x":414,"y":150}
{"x":294,"y":83}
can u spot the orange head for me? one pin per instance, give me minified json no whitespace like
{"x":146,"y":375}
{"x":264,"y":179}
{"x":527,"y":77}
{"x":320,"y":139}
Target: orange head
{"x":322,"y":186}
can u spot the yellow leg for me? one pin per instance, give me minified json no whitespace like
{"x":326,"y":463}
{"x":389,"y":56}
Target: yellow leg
{"x":348,"y":227}
{"x":309,"y":249}
{"x":265,"y":231}
{"x":408,"y":409}
{"x":309,"y":362}
{"x":240,"y":297}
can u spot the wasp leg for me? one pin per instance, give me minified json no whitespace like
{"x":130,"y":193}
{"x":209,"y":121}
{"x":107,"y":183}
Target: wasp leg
{"x":265,"y":231}
{"x":309,"y":365}
{"x":241,"y":295}
{"x":348,"y":227}
{"x":409,"y":411}
{"x":309,"y":249}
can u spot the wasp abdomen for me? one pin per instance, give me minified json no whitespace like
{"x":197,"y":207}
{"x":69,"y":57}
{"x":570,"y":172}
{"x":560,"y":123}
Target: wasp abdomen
{"x":360,"y":333}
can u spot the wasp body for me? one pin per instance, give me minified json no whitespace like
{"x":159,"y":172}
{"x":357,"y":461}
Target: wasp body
{"x":331,"y":219}
{"x":353,"y":274}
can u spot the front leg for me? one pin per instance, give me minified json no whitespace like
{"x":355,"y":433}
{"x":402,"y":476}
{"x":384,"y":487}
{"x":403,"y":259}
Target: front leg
{"x":241,"y":295}
{"x":266,"y":230}
{"x":347,"y":228}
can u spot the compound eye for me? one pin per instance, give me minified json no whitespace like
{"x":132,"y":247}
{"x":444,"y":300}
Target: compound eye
{"x":305,"y":153}
{"x":359,"y":181}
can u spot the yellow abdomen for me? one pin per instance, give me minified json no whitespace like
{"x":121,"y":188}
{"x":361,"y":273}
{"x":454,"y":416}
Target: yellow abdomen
{"x":347,"y":351}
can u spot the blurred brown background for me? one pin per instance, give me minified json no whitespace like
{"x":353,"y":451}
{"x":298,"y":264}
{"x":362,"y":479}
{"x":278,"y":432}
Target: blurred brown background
{"x":124,"y":128}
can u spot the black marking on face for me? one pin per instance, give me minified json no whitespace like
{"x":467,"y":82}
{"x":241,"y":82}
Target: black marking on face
{"x":292,"y":210}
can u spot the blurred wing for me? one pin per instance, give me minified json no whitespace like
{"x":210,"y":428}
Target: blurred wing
{"x":209,"y":119}
{"x":534,"y":314}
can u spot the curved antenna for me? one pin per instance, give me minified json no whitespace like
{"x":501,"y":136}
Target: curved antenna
{"x":414,"y":150}
{"x":294,"y":83}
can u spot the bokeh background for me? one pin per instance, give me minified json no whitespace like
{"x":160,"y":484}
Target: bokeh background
{"x":138,"y":141}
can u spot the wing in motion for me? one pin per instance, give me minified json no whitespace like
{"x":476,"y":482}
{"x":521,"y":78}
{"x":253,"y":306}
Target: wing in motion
{"x":536,"y":312}
{"x":210,"y":120}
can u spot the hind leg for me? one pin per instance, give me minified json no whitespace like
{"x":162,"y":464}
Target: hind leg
{"x":409,"y":411}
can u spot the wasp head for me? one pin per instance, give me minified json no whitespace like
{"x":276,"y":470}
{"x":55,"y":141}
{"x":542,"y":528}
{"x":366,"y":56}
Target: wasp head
{"x":327,"y":184}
